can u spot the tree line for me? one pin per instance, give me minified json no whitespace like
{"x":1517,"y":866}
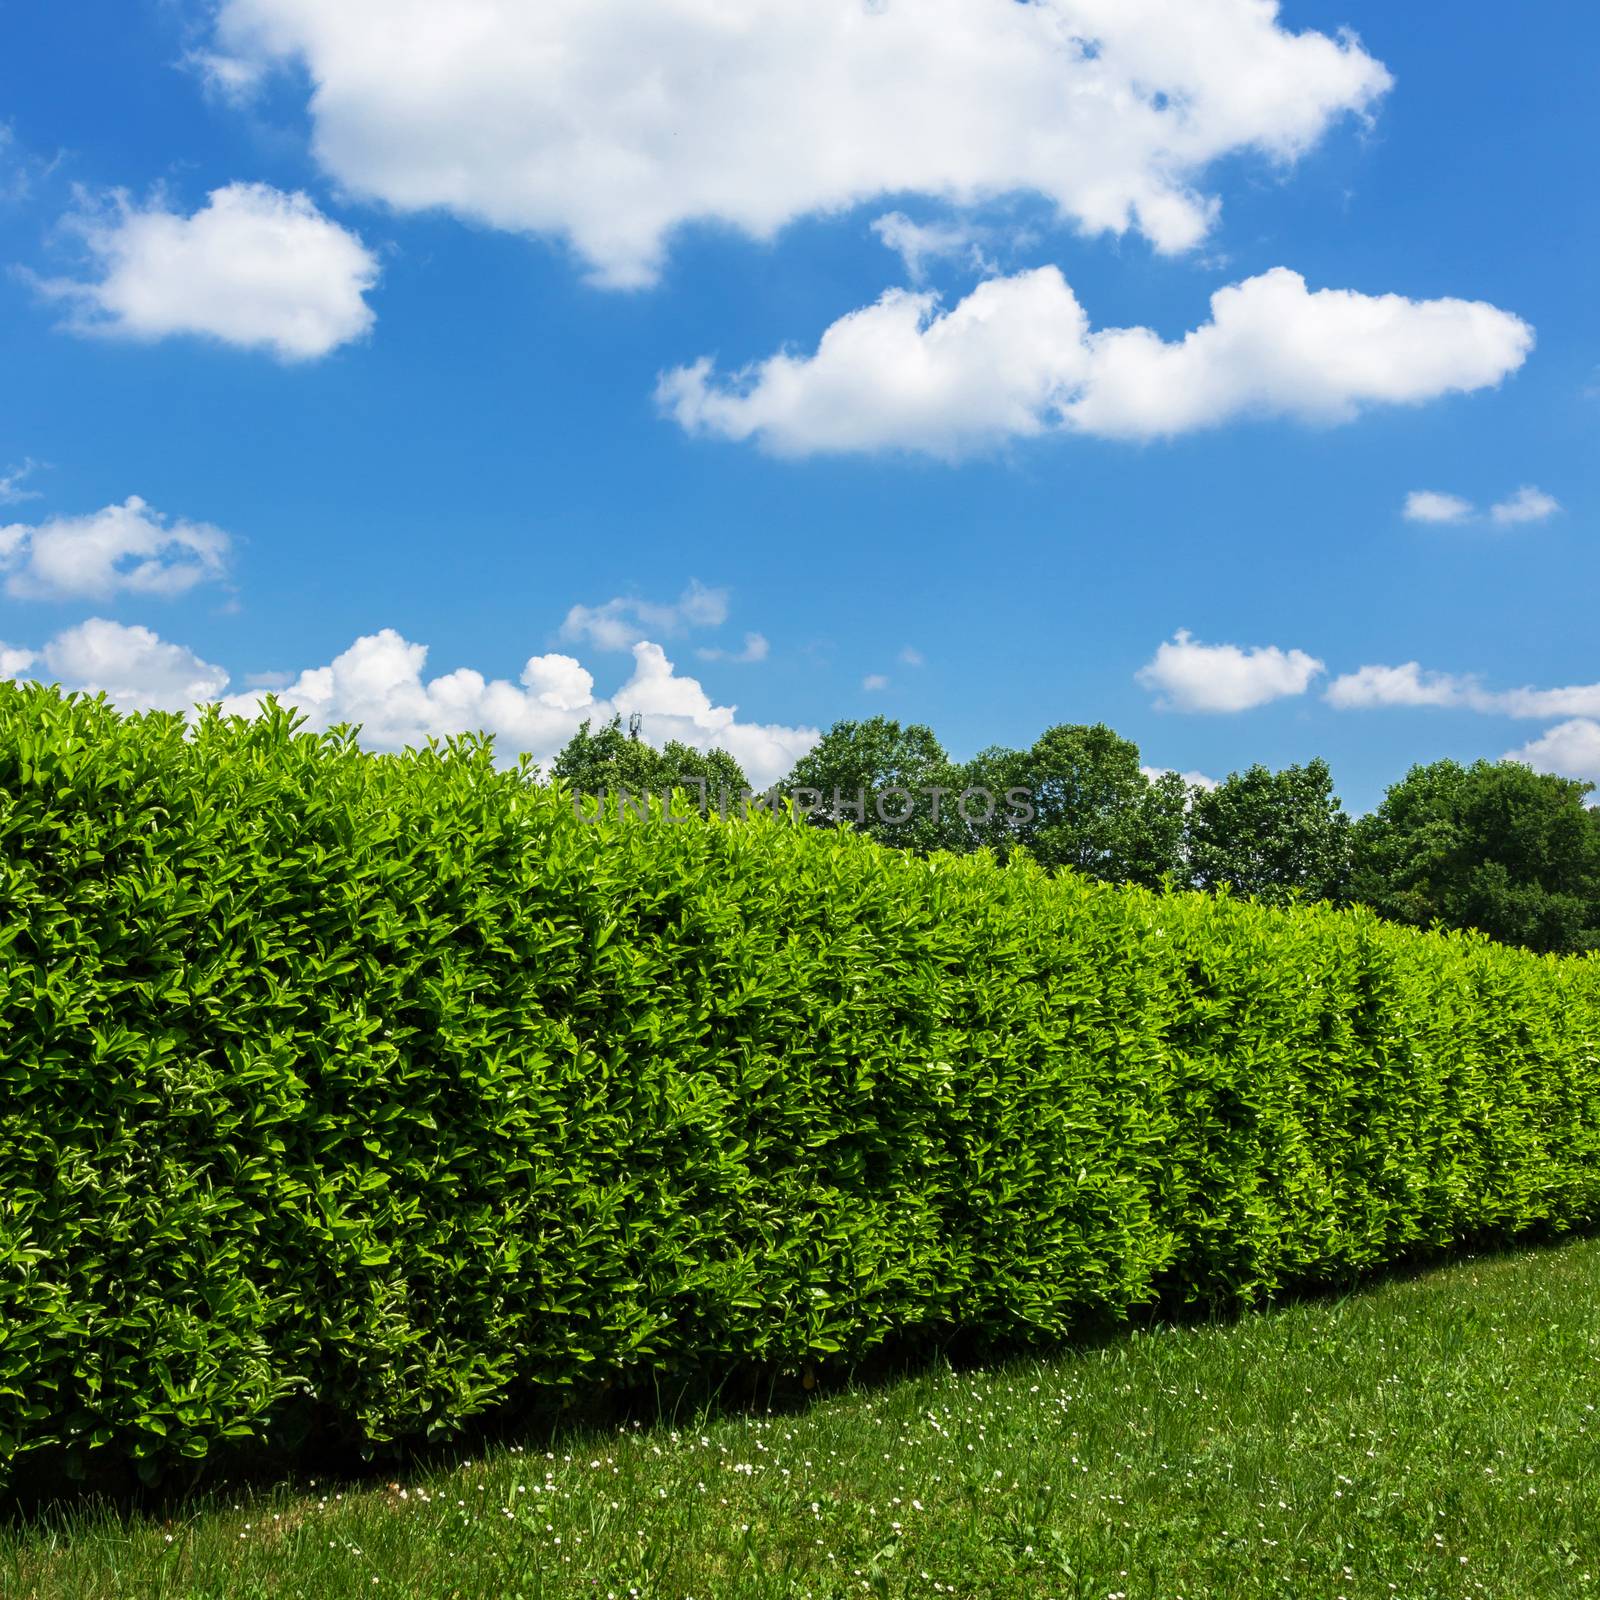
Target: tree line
{"x":1491,"y":845}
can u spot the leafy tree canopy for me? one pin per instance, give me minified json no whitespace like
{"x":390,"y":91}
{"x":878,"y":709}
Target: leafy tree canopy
{"x":1096,"y":811}
{"x":1494,"y":846}
{"x":1274,"y":835}
{"x":874,"y":757}
{"x":611,"y":760}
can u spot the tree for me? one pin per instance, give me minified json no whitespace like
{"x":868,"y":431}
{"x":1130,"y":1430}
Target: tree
{"x":611,"y":761}
{"x":1494,"y":846}
{"x":1095,"y":809}
{"x":867,"y":762}
{"x":1277,"y":836}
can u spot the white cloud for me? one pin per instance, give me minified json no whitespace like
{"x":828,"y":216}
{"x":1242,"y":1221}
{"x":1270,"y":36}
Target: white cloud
{"x":1526,"y":505}
{"x":1406,"y":685}
{"x":1570,"y":750}
{"x":874,"y":683}
{"x":678,"y":708}
{"x":126,"y":549}
{"x":1429,"y":505}
{"x":1190,"y":676}
{"x":233,"y":80}
{"x":14,"y":662}
{"x":1375,"y":687}
{"x":622,"y":623}
{"x":1575,"y":700}
{"x":912,"y":657}
{"x":253,"y":267}
{"x":756,"y":648}
{"x":1017,"y":358}
{"x":611,"y":124}
{"x":133,"y":666}
{"x":11,"y":481}
{"x":919,"y":243}
{"x":380,"y":683}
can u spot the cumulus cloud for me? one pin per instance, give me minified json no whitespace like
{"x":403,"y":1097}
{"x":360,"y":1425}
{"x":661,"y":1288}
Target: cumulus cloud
{"x":1528,"y":504}
{"x":678,"y":708}
{"x":14,"y":662}
{"x":381,"y":683}
{"x":131,"y":665}
{"x":1017,"y":358}
{"x":875,"y":683}
{"x":612,"y":124}
{"x":756,"y":648}
{"x":1406,"y":685}
{"x":1375,"y":687}
{"x":125,"y":549}
{"x":1191,"y":676}
{"x":622,"y":623}
{"x":1570,"y":750}
{"x":1429,"y":505}
{"x":253,"y":267}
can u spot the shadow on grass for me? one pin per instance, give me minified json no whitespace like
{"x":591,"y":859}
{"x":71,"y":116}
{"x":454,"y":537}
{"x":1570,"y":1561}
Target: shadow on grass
{"x":310,"y":1456}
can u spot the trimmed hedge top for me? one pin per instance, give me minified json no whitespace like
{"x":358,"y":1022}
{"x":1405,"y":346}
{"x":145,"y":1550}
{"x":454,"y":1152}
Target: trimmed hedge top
{"x":378,"y":1091}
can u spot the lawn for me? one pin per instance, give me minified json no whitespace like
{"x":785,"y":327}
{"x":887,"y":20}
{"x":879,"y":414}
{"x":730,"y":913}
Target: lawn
{"x":1433,"y":1435}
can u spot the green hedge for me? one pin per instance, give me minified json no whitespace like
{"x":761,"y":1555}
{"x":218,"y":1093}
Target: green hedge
{"x":385,"y":1090}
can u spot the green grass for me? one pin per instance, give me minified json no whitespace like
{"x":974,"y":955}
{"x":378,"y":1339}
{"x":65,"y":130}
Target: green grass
{"x":1427,"y":1436}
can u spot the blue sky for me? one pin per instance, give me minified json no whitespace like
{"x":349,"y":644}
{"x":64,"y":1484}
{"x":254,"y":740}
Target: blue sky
{"x":380,"y":326}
